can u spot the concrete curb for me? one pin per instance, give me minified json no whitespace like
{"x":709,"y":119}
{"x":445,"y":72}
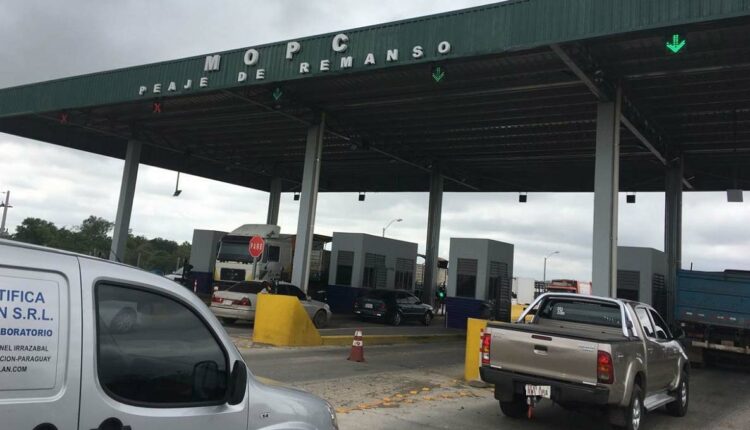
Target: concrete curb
{"x":393,"y":339}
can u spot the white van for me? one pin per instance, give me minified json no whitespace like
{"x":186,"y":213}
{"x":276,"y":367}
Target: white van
{"x":90,"y":344}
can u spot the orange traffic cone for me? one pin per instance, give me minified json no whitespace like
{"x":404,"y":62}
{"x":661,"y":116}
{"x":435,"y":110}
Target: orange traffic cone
{"x":358,"y":348}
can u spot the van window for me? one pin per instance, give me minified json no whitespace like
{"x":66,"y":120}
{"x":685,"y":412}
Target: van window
{"x":154,"y":351}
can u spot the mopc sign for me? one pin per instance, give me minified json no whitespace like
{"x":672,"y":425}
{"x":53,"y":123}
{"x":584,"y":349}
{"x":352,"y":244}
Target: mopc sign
{"x":292,"y":60}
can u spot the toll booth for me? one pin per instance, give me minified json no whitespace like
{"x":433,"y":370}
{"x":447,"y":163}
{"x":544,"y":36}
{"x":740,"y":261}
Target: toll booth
{"x":479,"y":280}
{"x":203,"y":251}
{"x":641,"y":274}
{"x":367,"y":261}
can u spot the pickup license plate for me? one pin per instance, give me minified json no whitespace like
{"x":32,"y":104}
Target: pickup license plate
{"x":227,"y":302}
{"x":368,"y":305}
{"x":539,"y":391}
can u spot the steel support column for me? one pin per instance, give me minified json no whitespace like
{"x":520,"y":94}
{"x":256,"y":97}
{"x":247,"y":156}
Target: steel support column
{"x":274,"y":202}
{"x":433,"y":235}
{"x":673,"y":231}
{"x":308,"y":203}
{"x":125,"y":202}
{"x":606,"y":188}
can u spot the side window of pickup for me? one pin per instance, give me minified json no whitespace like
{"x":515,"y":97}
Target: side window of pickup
{"x":645,"y":322}
{"x":154,"y":351}
{"x":662,"y":331}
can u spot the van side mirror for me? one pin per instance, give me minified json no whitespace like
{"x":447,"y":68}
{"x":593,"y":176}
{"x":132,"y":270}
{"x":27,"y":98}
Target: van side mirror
{"x":237,"y":384}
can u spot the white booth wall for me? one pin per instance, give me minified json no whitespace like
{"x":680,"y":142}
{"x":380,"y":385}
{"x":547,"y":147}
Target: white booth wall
{"x":360,"y":244}
{"x":647,"y":262}
{"x":484,"y":251}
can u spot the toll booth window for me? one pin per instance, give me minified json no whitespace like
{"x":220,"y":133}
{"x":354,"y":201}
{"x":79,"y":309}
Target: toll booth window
{"x":155,"y":352}
{"x":466,"y":278}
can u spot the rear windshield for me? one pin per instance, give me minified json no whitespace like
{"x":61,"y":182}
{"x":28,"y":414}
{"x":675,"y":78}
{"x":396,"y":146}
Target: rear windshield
{"x":247,"y":287}
{"x":586,"y":312}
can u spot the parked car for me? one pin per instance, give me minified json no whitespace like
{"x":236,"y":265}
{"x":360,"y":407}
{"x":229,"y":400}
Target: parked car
{"x":618,"y":356}
{"x":109,"y":346}
{"x":392,"y":306}
{"x":319,"y":312}
{"x":238,"y":302}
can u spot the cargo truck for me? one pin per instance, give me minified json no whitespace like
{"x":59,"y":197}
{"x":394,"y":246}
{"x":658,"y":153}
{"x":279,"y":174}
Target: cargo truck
{"x":234,"y":263}
{"x":714,"y":310}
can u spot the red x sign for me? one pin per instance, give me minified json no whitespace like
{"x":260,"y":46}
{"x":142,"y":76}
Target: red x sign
{"x":63,"y":118}
{"x":157,"y":107}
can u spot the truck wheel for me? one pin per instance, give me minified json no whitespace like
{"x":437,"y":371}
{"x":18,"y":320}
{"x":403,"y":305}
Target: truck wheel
{"x":229,"y":321}
{"x":679,"y":407}
{"x":320,"y":319}
{"x":634,"y":412}
{"x":515,"y":409}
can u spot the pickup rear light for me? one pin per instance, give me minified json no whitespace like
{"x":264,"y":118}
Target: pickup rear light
{"x":486,"y":344}
{"x":244,"y":302}
{"x":605,"y":368}
{"x":215,"y":298}
{"x":382,"y":307}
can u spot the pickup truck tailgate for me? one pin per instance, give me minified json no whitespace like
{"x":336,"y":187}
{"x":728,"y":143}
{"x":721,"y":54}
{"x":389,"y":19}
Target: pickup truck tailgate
{"x":521,"y":349}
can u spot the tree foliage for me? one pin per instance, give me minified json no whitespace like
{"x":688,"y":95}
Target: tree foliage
{"x":92,"y":238}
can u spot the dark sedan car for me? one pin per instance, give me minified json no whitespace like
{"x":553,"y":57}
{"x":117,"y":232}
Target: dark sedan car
{"x":393,"y":307}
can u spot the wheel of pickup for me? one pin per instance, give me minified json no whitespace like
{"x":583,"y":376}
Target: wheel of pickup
{"x":679,"y":407}
{"x":427,"y":318}
{"x":516,"y":408}
{"x":634,"y":411}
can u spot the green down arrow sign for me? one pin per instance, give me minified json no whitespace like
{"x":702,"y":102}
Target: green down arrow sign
{"x":675,"y":45}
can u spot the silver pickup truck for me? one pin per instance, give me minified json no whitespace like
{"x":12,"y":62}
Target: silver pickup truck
{"x":583,"y":351}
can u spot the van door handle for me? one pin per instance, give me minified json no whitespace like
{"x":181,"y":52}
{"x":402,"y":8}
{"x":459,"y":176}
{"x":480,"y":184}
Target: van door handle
{"x":112,"y":424}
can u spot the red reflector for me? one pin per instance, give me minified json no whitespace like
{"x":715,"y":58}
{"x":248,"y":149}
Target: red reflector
{"x":605,"y":369}
{"x":486,"y":344}
{"x":244,"y":302}
{"x":539,"y":337}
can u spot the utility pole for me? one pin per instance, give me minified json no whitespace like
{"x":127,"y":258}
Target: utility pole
{"x":5,"y":205}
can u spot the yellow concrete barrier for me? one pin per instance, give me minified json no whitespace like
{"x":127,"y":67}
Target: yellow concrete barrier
{"x":474,"y":328}
{"x":516,"y":311}
{"x":282,"y":321}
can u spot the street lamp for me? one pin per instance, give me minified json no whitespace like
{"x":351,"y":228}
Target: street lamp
{"x":544,"y":280}
{"x":5,"y":205}
{"x":177,"y":190}
{"x":389,"y":224}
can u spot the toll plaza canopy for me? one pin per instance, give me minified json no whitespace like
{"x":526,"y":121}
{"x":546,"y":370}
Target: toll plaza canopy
{"x":503,"y":97}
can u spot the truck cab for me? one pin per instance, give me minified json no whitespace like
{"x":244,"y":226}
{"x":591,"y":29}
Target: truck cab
{"x":91,"y":344}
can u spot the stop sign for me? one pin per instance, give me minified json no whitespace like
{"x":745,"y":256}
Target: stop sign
{"x":256,"y":246}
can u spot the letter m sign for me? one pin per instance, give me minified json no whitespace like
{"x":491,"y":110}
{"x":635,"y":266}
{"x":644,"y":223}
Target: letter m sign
{"x":212,"y":63}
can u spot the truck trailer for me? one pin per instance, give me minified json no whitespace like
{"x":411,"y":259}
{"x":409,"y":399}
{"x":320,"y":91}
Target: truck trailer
{"x":714,"y":310}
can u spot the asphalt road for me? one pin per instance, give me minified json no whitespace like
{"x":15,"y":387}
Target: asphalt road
{"x":346,"y":324}
{"x":419,"y":386}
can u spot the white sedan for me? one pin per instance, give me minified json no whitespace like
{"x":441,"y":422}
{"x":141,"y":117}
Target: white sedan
{"x":239,"y":302}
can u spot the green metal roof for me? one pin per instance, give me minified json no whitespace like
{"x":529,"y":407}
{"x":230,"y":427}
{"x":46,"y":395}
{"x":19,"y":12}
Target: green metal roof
{"x":508,"y":112}
{"x":494,"y":29}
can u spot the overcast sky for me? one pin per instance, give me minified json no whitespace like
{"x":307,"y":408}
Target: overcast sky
{"x":43,"y":40}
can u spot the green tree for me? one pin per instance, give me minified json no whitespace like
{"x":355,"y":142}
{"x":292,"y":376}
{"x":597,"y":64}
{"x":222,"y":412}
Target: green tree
{"x":36,"y":231}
